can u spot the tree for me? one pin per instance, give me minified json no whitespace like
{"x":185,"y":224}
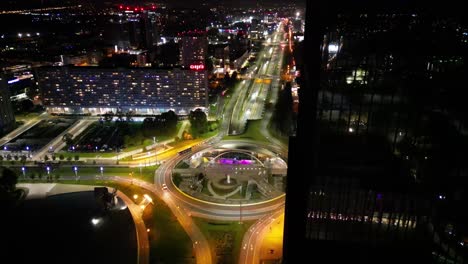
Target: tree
{"x":27,"y":105}
{"x":8,"y":157}
{"x":8,"y":179}
{"x":129,"y":116}
{"x":120,"y":115}
{"x":16,"y":158}
{"x":283,"y":114}
{"x":170,"y":121}
{"x":77,"y":157}
{"x":61,"y":157}
{"x":32,"y":175}
{"x":69,"y":158}
{"x":23,"y":159}
{"x":212,"y":32}
{"x":9,"y":195}
{"x":108,"y":116}
{"x":198,"y":121}
{"x":227,"y":79}
{"x":54,"y":157}
{"x":46,"y":158}
{"x":68,"y":139}
{"x":234,"y":76}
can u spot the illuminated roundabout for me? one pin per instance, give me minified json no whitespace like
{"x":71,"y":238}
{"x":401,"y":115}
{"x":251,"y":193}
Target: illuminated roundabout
{"x":232,"y":180}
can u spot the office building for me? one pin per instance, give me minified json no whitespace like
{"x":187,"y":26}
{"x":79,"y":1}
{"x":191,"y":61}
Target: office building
{"x":193,"y":47}
{"x":7,"y":118}
{"x":385,"y":138}
{"x":145,"y":91}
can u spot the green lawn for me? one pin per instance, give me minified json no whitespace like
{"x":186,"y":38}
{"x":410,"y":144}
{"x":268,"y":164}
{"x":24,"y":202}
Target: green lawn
{"x":252,"y":132}
{"x":168,"y":241}
{"x":230,"y":232}
{"x":86,"y":154}
{"x":208,"y":134}
{"x":212,"y":111}
{"x":26,"y":117}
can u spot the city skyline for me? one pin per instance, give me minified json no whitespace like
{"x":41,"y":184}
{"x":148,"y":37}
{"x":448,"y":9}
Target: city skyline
{"x":182,"y":110}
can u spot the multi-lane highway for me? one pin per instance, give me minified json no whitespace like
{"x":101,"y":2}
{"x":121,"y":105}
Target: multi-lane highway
{"x":254,"y":89}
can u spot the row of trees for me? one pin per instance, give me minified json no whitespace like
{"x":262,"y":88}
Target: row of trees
{"x":166,"y":123}
{"x":62,"y":157}
{"x":9,"y":157}
{"x":40,"y":175}
{"x":283,"y":116}
{"x":23,"y":158}
{"x":230,"y":80}
{"x":198,"y":122}
{"x":121,"y":116}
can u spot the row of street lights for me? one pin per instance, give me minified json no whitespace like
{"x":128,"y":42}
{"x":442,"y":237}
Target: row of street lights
{"x":75,"y":170}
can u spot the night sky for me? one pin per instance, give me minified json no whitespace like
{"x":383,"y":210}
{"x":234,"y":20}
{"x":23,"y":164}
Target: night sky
{"x":18,"y":4}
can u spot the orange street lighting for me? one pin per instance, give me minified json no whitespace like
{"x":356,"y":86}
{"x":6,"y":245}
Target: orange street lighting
{"x":148,"y":198}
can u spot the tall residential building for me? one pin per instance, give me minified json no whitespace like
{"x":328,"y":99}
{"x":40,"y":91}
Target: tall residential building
{"x":384,"y":127}
{"x":7,"y":118}
{"x":96,"y":90}
{"x":193,"y":48}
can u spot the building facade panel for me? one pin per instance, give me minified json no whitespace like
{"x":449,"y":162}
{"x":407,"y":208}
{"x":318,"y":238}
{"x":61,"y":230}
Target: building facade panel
{"x":7,"y":118}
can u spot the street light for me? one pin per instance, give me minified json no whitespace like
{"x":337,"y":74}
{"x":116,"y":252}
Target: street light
{"x":29,"y":152}
{"x":48,"y":170}
{"x":75,"y":169}
{"x":95,"y":221}
{"x":102,"y":171}
{"x":23,"y":169}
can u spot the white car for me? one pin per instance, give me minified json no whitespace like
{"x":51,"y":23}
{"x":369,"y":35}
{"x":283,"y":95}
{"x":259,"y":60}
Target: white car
{"x":164,"y":187}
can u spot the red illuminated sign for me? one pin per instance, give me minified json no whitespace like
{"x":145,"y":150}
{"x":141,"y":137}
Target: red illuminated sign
{"x":197,"y":67}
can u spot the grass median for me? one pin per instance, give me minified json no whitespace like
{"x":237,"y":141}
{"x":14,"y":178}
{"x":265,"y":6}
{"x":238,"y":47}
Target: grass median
{"x":225,"y":238}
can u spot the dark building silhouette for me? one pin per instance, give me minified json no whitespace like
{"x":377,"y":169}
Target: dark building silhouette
{"x":193,"y":46}
{"x":7,"y":119}
{"x":385,"y":138}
